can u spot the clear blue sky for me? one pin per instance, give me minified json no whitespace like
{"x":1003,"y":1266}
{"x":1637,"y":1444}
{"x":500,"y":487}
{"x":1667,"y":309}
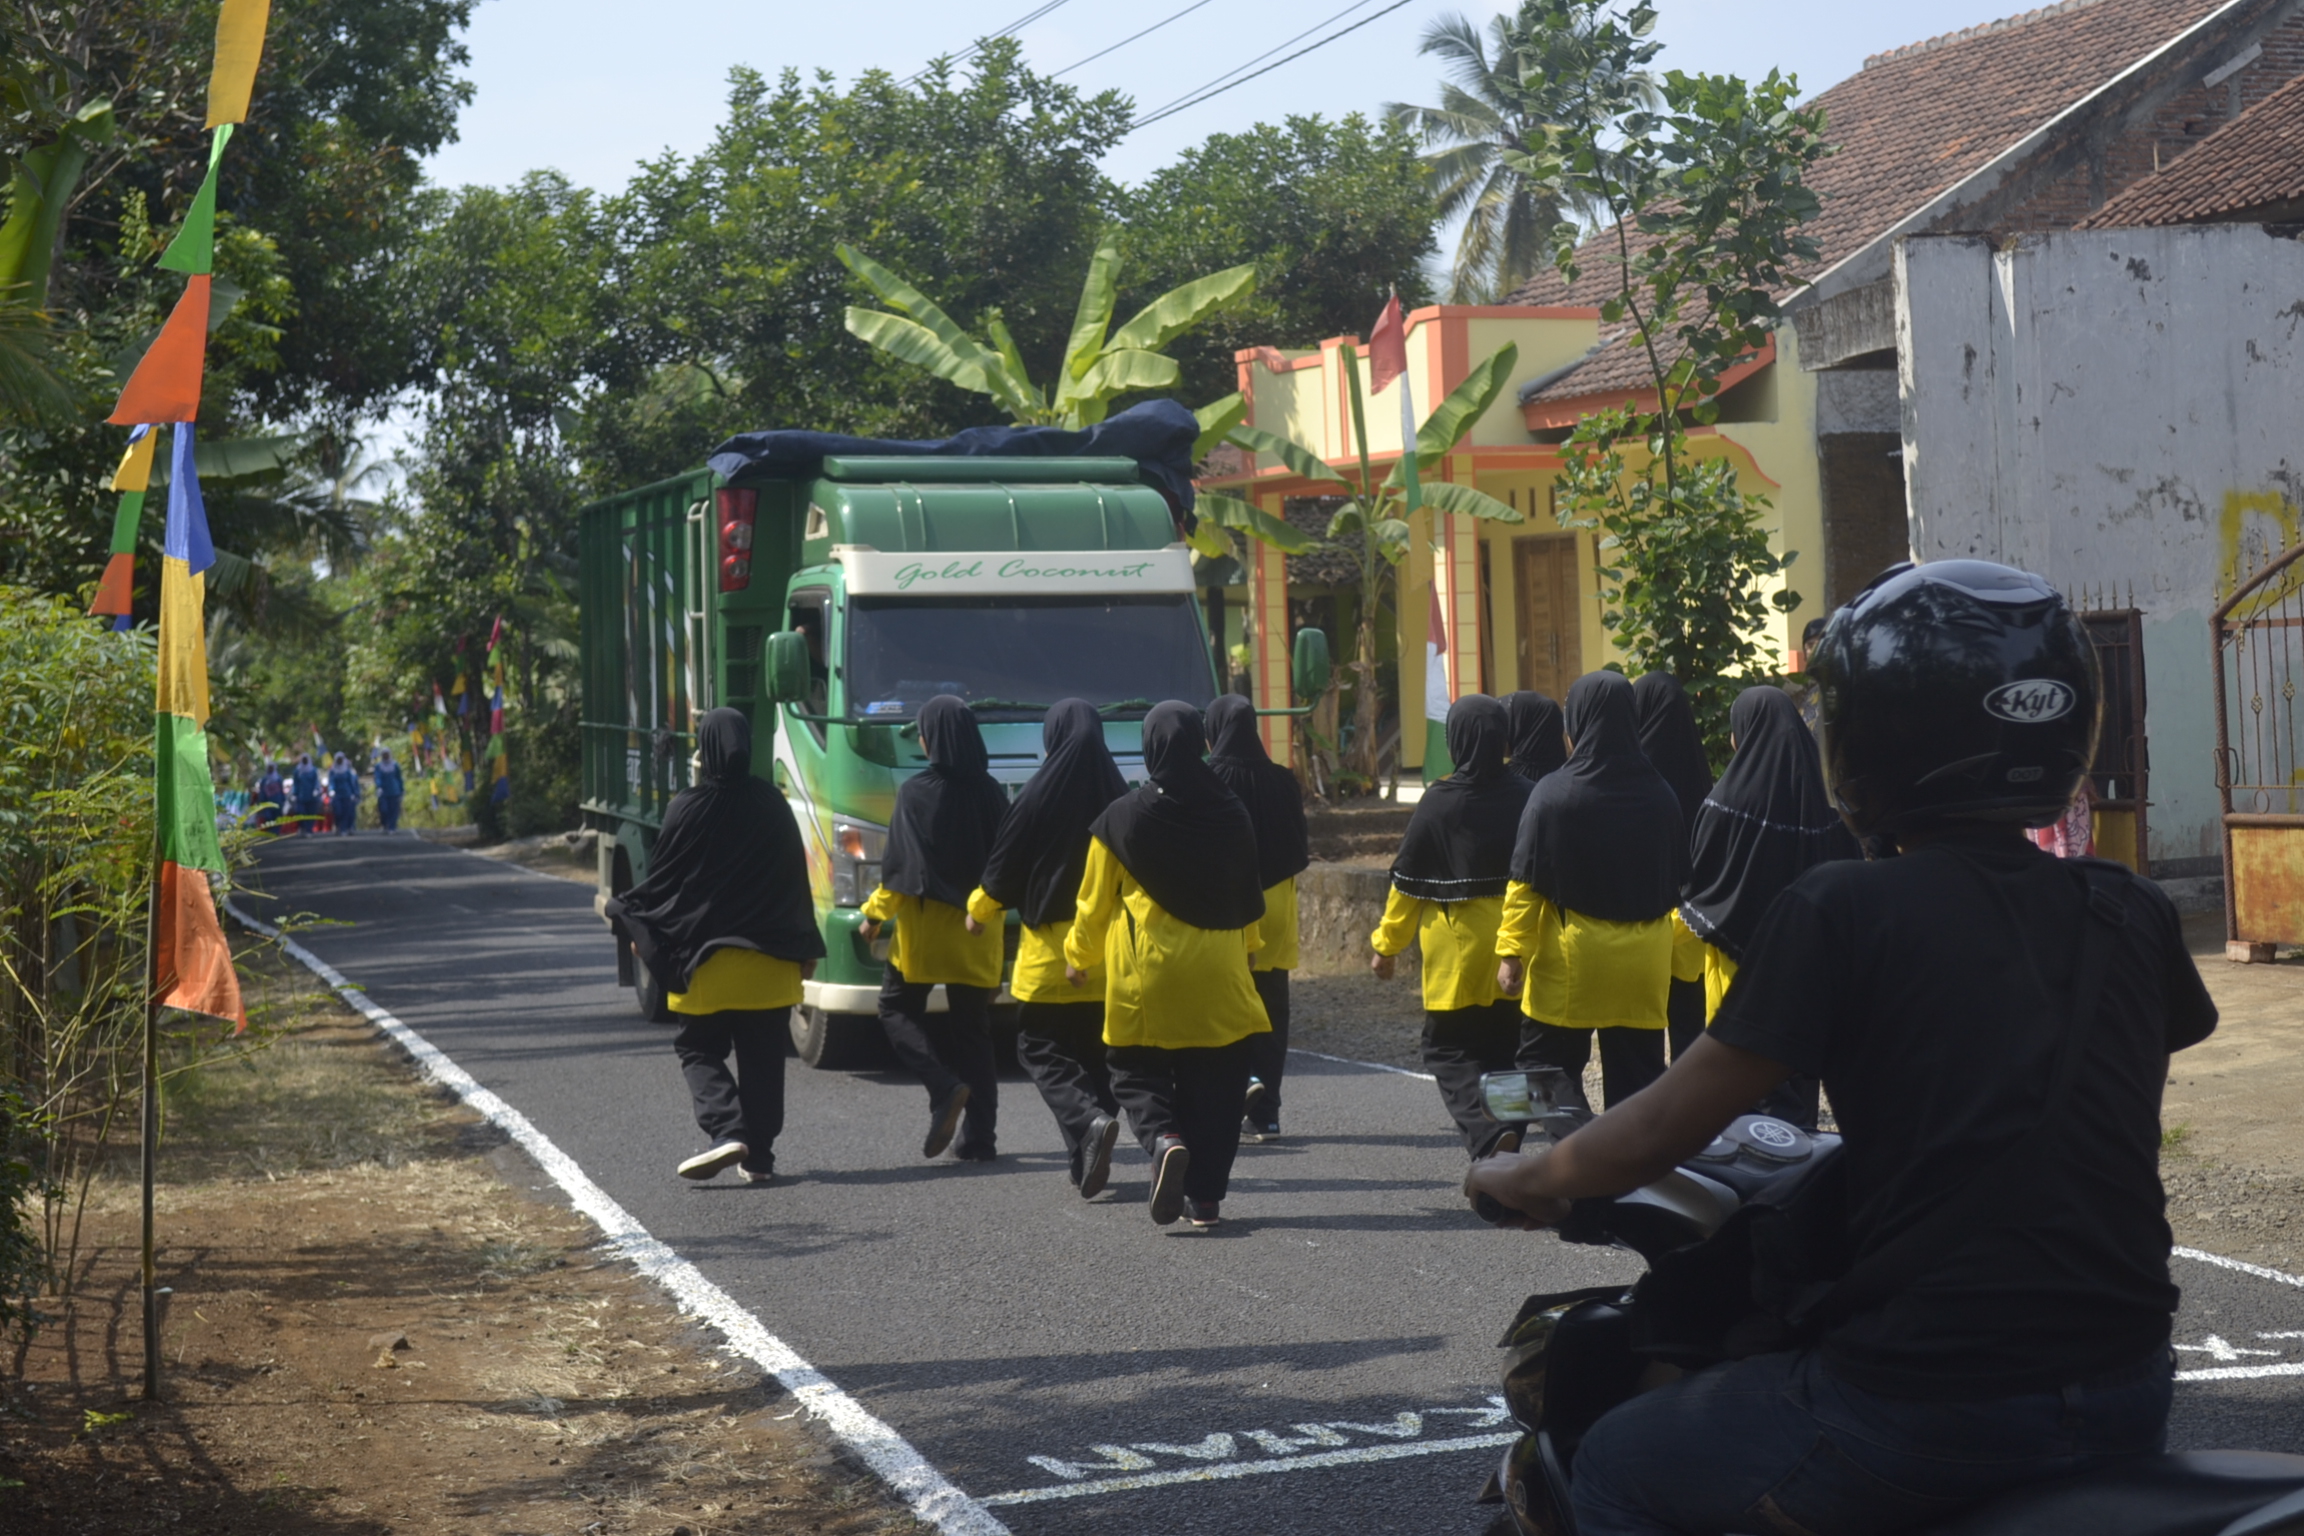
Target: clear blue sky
{"x":590,"y":87}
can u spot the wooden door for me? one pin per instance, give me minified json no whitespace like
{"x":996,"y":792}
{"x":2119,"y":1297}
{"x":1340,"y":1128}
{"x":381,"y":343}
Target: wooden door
{"x":1545,"y":590}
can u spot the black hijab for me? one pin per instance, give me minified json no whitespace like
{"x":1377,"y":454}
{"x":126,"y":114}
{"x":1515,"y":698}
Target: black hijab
{"x":1184,"y":836}
{"x":1603,"y":836}
{"x":1042,"y":848}
{"x":1459,"y":842}
{"x":1533,"y":724}
{"x":1274,"y":799}
{"x":1669,"y":736}
{"x":727,"y":868}
{"x":1767,"y":820}
{"x":948,"y":813}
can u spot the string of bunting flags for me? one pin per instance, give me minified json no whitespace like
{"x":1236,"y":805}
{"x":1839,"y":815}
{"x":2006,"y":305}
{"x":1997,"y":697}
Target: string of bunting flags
{"x":191,"y":962}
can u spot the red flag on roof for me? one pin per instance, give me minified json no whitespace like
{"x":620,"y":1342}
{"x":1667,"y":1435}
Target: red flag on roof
{"x":1387,"y":347}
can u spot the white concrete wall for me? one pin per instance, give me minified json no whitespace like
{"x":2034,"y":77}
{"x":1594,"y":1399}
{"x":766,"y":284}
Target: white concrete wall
{"x":2114,"y":410}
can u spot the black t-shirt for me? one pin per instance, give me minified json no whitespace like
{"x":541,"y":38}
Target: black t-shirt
{"x":1929,"y":992}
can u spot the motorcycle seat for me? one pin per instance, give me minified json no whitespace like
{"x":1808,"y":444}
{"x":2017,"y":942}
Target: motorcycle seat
{"x":2192,"y":1493}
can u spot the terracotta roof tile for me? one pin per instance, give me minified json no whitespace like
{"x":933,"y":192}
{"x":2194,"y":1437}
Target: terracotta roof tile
{"x":1916,"y":120}
{"x":2254,"y":161}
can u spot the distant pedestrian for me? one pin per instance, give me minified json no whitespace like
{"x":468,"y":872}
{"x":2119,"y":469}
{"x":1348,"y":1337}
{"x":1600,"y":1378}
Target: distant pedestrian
{"x":271,"y":797}
{"x":1587,"y":934}
{"x":343,"y":794}
{"x":938,"y":840}
{"x":1447,"y":897}
{"x":1768,"y":821}
{"x":1275,"y":804}
{"x":391,"y":789}
{"x":725,"y":924}
{"x":1538,"y":746}
{"x":1672,"y":742}
{"x":1170,"y":903}
{"x":304,"y":793}
{"x":1035,"y":866}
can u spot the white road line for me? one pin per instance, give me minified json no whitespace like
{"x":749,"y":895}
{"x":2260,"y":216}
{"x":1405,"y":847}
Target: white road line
{"x":933,"y":1497}
{"x":2239,"y":1372}
{"x":1373,"y":1066}
{"x":1232,"y":1469}
{"x":2221,"y":1262}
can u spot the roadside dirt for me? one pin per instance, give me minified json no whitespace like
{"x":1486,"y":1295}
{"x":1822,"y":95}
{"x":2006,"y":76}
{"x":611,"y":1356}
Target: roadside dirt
{"x":1357,"y":831}
{"x":381,"y":1324}
{"x":548,"y":854}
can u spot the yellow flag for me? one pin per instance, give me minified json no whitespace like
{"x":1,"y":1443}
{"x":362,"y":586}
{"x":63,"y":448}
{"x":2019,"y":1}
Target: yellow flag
{"x":239,"y":47}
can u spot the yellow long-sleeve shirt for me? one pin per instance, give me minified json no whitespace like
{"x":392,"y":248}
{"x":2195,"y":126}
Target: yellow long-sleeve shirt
{"x":734,"y":978}
{"x":1166,"y":983}
{"x":1695,"y":959}
{"x":1458,"y":941}
{"x":1585,"y":972}
{"x":931,"y":944}
{"x":1279,"y":929}
{"x":1039,"y":973}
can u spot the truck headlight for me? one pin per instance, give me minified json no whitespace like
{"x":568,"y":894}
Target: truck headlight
{"x":857,"y":849}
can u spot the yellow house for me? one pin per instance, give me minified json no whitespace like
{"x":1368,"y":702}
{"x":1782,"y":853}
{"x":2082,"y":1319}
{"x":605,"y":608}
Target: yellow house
{"x":1520,"y":602}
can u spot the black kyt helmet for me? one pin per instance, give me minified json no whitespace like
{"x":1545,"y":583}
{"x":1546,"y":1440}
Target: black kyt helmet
{"x":1956,"y":689}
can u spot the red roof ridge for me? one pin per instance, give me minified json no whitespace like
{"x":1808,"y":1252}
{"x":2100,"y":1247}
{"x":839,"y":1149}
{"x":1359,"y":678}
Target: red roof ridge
{"x":1946,"y":40}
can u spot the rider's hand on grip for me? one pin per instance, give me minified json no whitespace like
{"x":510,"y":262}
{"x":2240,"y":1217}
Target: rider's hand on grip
{"x":1494,"y":1186}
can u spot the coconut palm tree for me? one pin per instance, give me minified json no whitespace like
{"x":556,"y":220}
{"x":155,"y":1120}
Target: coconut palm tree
{"x":1484,"y":124}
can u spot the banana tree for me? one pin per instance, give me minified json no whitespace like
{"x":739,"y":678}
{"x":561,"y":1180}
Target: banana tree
{"x":40,"y":185}
{"x":1372,"y":525}
{"x":1099,"y":362}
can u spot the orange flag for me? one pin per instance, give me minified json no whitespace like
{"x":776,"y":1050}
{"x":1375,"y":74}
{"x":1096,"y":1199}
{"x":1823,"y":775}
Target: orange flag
{"x":166,"y":384}
{"x":1387,"y":348}
{"x":114,"y":591}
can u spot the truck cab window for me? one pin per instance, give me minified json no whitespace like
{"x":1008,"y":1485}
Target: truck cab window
{"x":809,"y":616}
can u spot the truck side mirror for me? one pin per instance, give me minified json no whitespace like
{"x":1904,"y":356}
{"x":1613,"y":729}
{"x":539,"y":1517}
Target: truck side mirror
{"x":787,"y":667}
{"x":1309,"y":666}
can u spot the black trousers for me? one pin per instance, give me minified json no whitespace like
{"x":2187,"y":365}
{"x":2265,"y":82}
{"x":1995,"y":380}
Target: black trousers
{"x":946,"y":1049}
{"x":1268,"y":1054}
{"x":1684,"y":1014}
{"x":1630,"y":1059}
{"x":1196,"y":1093}
{"x":748,"y":1104}
{"x":1062,"y":1046}
{"x":1459,"y":1045}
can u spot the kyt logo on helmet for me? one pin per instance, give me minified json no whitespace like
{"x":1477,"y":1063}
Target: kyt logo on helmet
{"x":1902,"y":669}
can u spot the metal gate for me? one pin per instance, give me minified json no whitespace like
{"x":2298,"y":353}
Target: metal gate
{"x":2122,"y":772}
{"x":2259,"y":773}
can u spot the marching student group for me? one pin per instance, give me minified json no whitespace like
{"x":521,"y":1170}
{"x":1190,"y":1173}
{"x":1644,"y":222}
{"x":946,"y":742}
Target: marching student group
{"x":1576,"y":876}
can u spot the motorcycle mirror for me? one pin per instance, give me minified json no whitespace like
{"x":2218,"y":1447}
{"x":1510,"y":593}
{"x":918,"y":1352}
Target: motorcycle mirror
{"x":1510,"y":1097}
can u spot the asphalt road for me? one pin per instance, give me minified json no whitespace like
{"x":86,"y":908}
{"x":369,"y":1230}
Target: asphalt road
{"x":1039,"y":1349}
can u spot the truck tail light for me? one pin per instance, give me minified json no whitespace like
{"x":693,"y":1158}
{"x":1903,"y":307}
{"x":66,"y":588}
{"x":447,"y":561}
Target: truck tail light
{"x":737,"y":507}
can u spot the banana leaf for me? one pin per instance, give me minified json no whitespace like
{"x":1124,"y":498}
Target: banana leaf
{"x":912,"y":342}
{"x":1179,"y":309}
{"x":1094,"y":317}
{"x":1298,"y":458}
{"x":1453,"y":417}
{"x":1392,"y":539}
{"x":1119,"y":372}
{"x":1210,"y":540}
{"x":1217,"y":419}
{"x":1232,"y":512}
{"x":1450,"y":497}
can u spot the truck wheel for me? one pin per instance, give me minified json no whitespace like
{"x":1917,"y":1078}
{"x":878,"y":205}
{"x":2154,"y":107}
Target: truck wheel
{"x":836,"y":1042}
{"x":650,"y":995}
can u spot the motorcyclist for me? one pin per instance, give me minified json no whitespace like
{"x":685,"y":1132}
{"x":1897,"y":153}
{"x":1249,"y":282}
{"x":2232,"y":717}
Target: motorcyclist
{"x":1930,"y":991}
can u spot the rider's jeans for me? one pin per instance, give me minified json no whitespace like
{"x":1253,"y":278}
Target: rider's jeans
{"x":1775,"y":1444}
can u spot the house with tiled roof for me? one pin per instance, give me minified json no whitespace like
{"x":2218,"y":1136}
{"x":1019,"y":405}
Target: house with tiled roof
{"x":2047,"y":120}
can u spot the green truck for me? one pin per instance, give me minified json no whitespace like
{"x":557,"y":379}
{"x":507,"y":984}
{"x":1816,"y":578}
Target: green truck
{"x":827,"y":601}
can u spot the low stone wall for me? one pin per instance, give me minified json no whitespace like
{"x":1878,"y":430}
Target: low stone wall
{"x":1337,"y":907}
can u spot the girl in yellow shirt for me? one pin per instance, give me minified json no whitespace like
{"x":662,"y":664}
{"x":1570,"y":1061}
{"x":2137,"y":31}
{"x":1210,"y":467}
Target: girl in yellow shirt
{"x":1170,"y":904}
{"x":1768,"y":821}
{"x":942,"y":830}
{"x":1586,"y":936}
{"x":1448,"y":897}
{"x":1036,"y":864}
{"x":724,"y":920}
{"x":1275,"y":803}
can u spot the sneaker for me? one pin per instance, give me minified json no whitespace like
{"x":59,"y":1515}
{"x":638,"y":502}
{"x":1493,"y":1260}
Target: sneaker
{"x":1103,"y":1135}
{"x":1508,"y":1142}
{"x":759,"y":1176}
{"x":1252,"y":1107}
{"x":1201,"y":1213}
{"x":1260,"y":1130}
{"x":1170,"y":1160}
{"x":975,"y":1155}
{"x":705,"y":1164}
{"x":944,"y":1123}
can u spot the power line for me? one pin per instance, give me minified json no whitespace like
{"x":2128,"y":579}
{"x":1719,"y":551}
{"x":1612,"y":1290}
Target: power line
{"x":1124,"y":42}
{"x":1162,"y":110}
{"x":1018,"y":25}
{"x":1214,"y":89}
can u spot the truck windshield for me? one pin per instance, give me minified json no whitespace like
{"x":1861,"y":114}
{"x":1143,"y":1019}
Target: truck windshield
{"x":1023,"y":652}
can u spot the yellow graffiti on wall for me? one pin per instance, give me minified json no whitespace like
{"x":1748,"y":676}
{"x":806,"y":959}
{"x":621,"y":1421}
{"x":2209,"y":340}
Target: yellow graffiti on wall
{"x":2255,"y":528}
